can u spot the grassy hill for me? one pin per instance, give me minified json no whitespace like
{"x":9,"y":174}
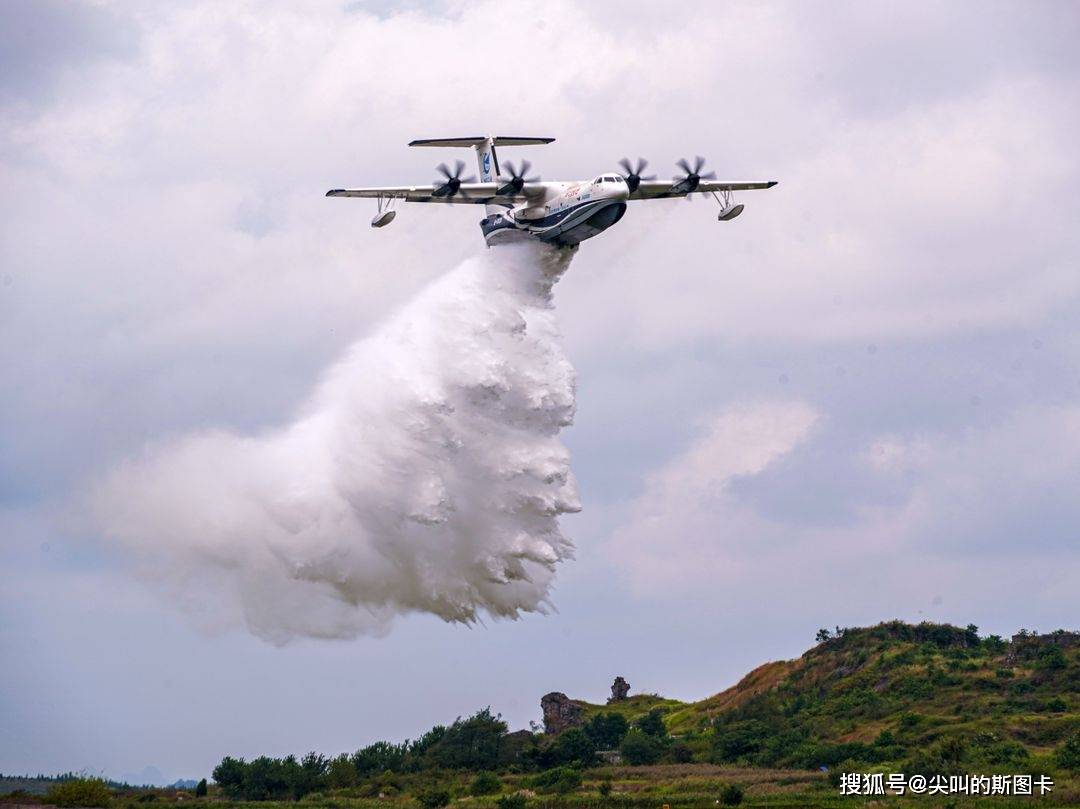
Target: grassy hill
{"x":887,"y":693}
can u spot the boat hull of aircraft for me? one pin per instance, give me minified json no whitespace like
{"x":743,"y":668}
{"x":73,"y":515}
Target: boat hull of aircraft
{"x":564,"y":228}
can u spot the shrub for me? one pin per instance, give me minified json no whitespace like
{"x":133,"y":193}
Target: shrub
{"x":485,"y":783}
{"x":515,"y":801}
{"x":201,"y":789}
{"x":1050,"y":658}
{"x":1056,"y":705}
{"x":731,"y":795}
{"x":79,"y":792}
{"x":681,"y":754}
{"x":433,"y":798}
{"x":604,"y":789}
{"x":639,"y":747}
{"x":1068,"y":755}
{"x":561,"y":780}
{"x":739,"y":739}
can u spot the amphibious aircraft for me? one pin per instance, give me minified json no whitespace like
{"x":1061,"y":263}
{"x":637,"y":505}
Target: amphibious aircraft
{"x":561,"y":213}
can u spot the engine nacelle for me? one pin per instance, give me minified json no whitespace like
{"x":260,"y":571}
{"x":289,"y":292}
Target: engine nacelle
{"x":730,"y":212}
{"x":383,"y":218}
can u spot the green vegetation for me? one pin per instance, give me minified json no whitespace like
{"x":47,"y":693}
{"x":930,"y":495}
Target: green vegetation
{"x":80,"y":792}
{"x":931,"y":699}
{"x":485,"y":783}
{"x":1068,"y":755}
{"x":731,"y":795}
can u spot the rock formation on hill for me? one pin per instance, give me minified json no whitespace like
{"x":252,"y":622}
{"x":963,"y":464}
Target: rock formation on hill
{"x":619,"y":689}
{"x":560,"y":712}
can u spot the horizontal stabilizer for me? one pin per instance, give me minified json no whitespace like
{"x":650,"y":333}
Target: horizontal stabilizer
{"x":500,"y":140}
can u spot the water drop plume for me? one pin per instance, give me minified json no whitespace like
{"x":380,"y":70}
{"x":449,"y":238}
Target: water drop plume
{"x":424,"y":474}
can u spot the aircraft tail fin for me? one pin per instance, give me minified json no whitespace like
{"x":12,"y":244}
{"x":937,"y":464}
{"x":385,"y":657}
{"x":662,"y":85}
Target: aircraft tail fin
{"x":486,"y":158}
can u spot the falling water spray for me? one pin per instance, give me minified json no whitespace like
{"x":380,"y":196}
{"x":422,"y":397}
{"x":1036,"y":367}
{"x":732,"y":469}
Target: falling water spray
{"x":425,"y":474}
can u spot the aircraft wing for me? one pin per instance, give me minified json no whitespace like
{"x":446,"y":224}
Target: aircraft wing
{"x":468,"y":194}
{"x":663,"y":189}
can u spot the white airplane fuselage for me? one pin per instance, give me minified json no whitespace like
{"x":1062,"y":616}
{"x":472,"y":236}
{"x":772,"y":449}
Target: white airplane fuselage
{"x":566,"y":214}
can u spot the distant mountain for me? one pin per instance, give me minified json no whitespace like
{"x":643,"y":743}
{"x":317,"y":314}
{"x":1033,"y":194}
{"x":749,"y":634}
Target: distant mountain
{"x":149,"y":776}
{"x":184,"y":783}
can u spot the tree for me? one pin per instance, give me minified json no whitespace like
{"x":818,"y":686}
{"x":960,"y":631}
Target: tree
{"x":607,"y":730}
{"x":573,"y":746}
{"x":638,"y":747}
{"x":341,"y":773}
{"x":201,"y":789}
{"x":470,"y":744}
{"x":653,"y":723}
{"x":229,"y":775}
{"x":308,"y":775}
{"x":379,"y":757}
{"x":822,"y":635}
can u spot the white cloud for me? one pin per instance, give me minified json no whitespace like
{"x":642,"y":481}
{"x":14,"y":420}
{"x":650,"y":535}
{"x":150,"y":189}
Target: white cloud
{"x":686,"y":525}
{"x":1002,"y":490}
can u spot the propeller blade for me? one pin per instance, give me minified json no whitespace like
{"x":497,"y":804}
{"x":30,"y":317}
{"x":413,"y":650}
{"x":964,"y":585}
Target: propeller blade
{"x":642,"y":164}
{"x":684,"y":166}
{"x":709,"y":175}
{"x":459,"y":166}
{"x":699,"y":161}
{"x":441,"y":168}
{"x":624,"y":164}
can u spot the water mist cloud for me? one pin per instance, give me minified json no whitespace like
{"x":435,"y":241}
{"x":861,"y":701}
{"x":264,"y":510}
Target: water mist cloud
{"x":425,"y":474}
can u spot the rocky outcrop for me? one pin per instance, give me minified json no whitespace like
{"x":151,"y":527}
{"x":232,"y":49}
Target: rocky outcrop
{"x":619,"y":689}
{"x":1027,"y":645}
{"x":560,"y":712}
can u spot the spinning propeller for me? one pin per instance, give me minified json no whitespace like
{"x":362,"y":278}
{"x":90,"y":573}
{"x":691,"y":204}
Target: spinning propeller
{"x":517,"y":179}
{"x":692,"y":177}
{"x":633,"y":175}
{"x":453,"y":181}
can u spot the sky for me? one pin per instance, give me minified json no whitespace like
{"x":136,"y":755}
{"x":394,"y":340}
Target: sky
{"x":859,"y":401}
